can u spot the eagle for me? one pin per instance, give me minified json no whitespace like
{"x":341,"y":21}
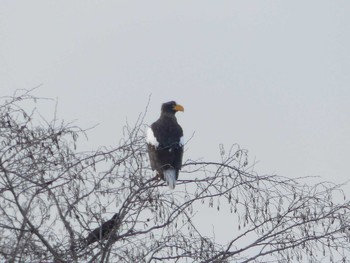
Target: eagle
{"x":165,"y":143}
{"x":101,"y":232}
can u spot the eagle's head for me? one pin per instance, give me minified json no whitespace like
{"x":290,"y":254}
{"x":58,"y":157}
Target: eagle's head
{"x":171,"y":107}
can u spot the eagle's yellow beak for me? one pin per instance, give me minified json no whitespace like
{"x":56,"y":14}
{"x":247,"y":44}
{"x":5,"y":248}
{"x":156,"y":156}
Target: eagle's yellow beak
{"x":179,"y":107}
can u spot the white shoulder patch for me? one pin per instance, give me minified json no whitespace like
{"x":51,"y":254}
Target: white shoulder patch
{"x":151,"y":139}
{"x":182,"y":141}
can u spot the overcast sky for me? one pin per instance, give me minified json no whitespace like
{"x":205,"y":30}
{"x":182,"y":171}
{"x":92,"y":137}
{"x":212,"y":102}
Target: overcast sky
{"x":272,"y":76}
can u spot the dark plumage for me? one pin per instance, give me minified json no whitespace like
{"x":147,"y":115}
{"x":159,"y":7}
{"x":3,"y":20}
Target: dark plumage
{"x":165,"y":144}
{"x":101,"y":232}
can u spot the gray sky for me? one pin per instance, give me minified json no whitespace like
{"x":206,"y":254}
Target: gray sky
{"x":272,"y":76}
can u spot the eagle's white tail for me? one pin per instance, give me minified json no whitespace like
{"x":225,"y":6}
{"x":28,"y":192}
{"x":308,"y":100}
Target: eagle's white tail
{"x":170,"y":177}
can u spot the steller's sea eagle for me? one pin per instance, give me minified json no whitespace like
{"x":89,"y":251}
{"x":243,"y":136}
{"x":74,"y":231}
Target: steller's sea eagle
{"x":166,"y":144}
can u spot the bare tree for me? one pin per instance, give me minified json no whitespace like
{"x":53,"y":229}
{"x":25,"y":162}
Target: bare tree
{"x":54,"y":199}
